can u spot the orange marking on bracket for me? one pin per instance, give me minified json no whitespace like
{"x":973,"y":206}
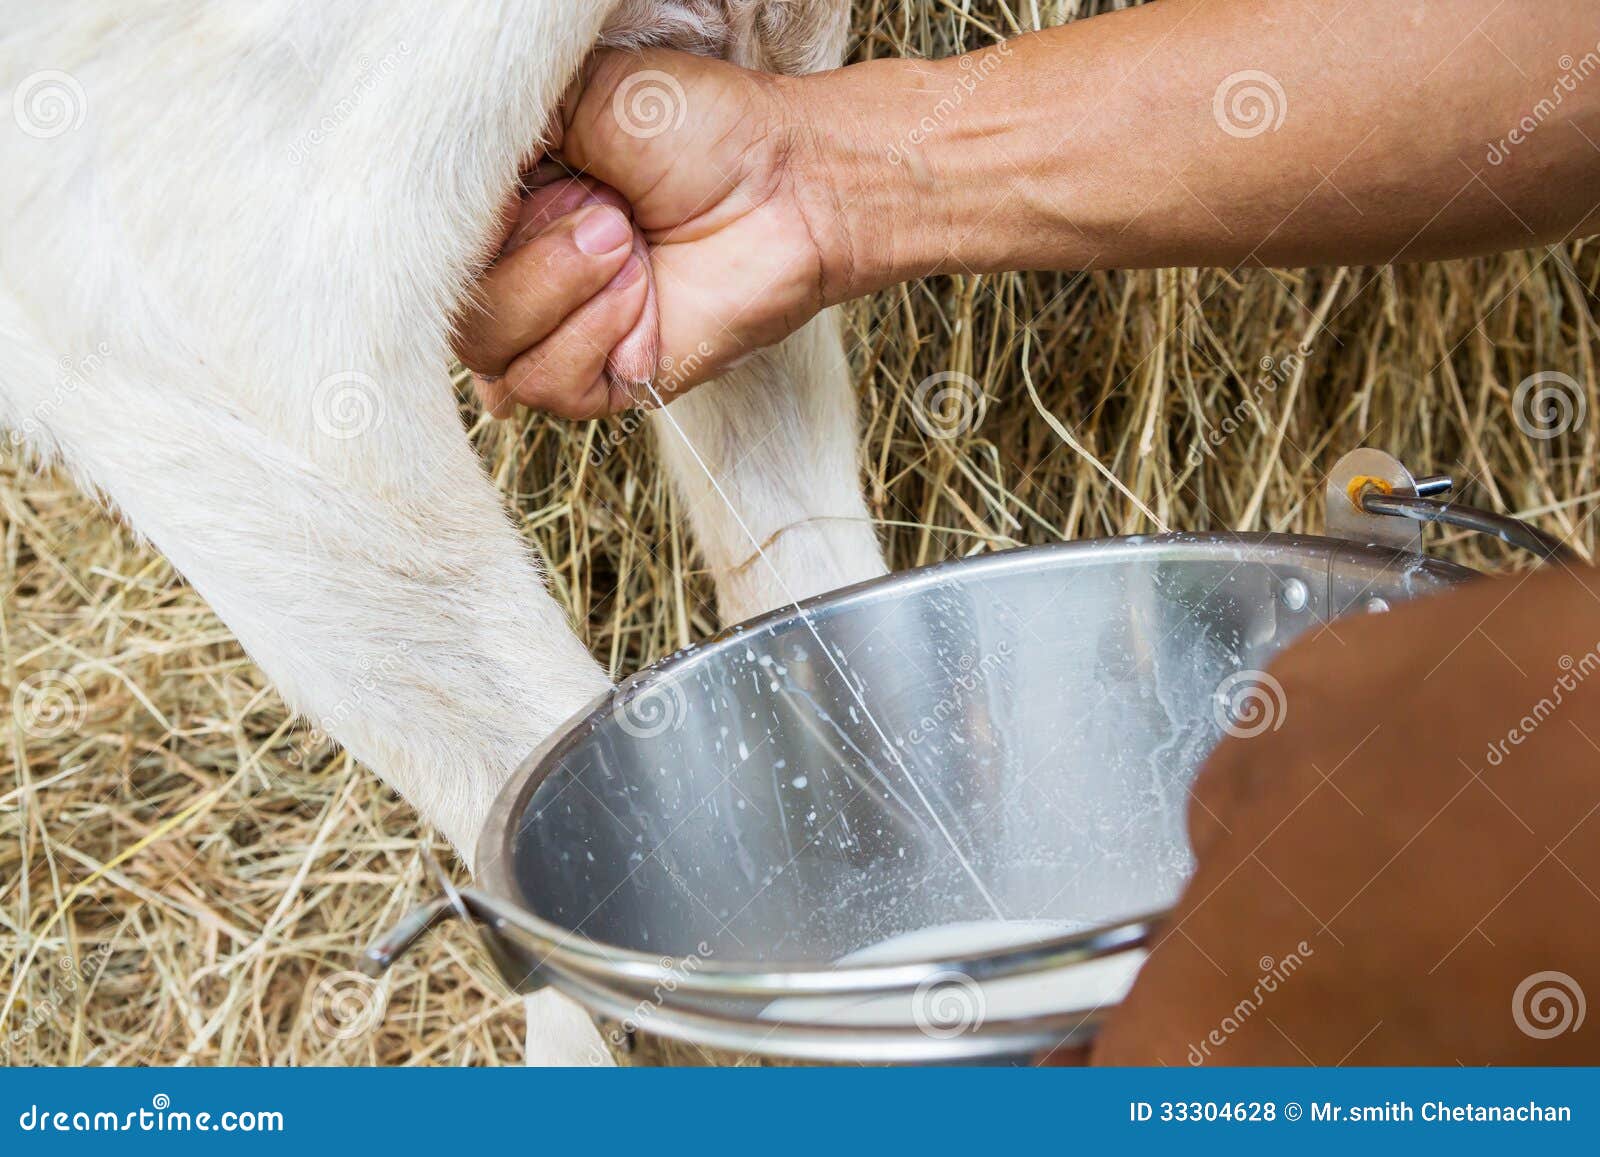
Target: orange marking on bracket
{"x":1360,"y":482}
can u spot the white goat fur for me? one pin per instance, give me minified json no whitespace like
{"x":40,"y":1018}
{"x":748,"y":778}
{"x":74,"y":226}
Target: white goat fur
{"x":238,"y":229}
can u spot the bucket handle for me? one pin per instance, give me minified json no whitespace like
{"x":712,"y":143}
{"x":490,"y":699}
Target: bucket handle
{"x":472,"y":907}
{"x":1372,"y":498}
{"x":381,"y":954}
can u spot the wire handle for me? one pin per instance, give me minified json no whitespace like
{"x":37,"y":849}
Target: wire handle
{"x":1373,"y":498}
{"x":1512,"y":531}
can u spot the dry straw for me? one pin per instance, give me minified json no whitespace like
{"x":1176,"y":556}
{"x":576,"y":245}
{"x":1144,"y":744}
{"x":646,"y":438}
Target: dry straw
{"x":175,"y":887}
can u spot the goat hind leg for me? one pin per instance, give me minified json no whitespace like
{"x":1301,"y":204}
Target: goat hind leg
{"x":766,"y":457}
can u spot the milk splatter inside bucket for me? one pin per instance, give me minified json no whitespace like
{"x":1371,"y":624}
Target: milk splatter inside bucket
{"x":1097,"y":983}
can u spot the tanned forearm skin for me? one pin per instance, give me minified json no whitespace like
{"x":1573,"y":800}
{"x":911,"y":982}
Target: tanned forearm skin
{"x":1217,"y":133}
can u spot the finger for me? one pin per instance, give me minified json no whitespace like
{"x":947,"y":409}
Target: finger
{"x":631,"y":365}
{"x":493,"y":394}
{"x":565,"y":373}
{"x":552,"y":191}
{"x":527,"y":294}
{"x":549,"y":192}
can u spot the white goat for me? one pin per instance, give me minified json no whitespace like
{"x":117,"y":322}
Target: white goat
{"x":235,"y":235}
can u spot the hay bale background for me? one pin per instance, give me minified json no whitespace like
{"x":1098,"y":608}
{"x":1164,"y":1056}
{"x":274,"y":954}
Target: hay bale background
{"x":184,"y":877}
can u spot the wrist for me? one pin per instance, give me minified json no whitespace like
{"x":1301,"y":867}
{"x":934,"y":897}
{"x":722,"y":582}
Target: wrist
{"x":901,"y":170}
{"x":878,"y":210}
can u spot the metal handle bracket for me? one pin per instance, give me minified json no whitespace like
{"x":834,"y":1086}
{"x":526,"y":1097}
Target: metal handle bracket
{"x":1373,"y":499}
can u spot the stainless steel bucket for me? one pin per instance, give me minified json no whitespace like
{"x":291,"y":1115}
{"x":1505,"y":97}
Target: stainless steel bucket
{"x":1010,"y":735}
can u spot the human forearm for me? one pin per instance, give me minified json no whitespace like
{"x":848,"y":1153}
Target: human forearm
{"x":1191,"y":133}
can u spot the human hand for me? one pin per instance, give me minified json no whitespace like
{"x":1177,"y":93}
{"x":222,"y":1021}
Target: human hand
{"x":766,"y":197}
{"x":1384,"y":877}
{"x":569,"y":301}
{"x":718,"y":173}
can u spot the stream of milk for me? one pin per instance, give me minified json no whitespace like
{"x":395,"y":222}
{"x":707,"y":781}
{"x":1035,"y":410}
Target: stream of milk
{"x":883,"y":738}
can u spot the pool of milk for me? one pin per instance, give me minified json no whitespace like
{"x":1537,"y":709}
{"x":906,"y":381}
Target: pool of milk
{"x":1083,"y":986}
